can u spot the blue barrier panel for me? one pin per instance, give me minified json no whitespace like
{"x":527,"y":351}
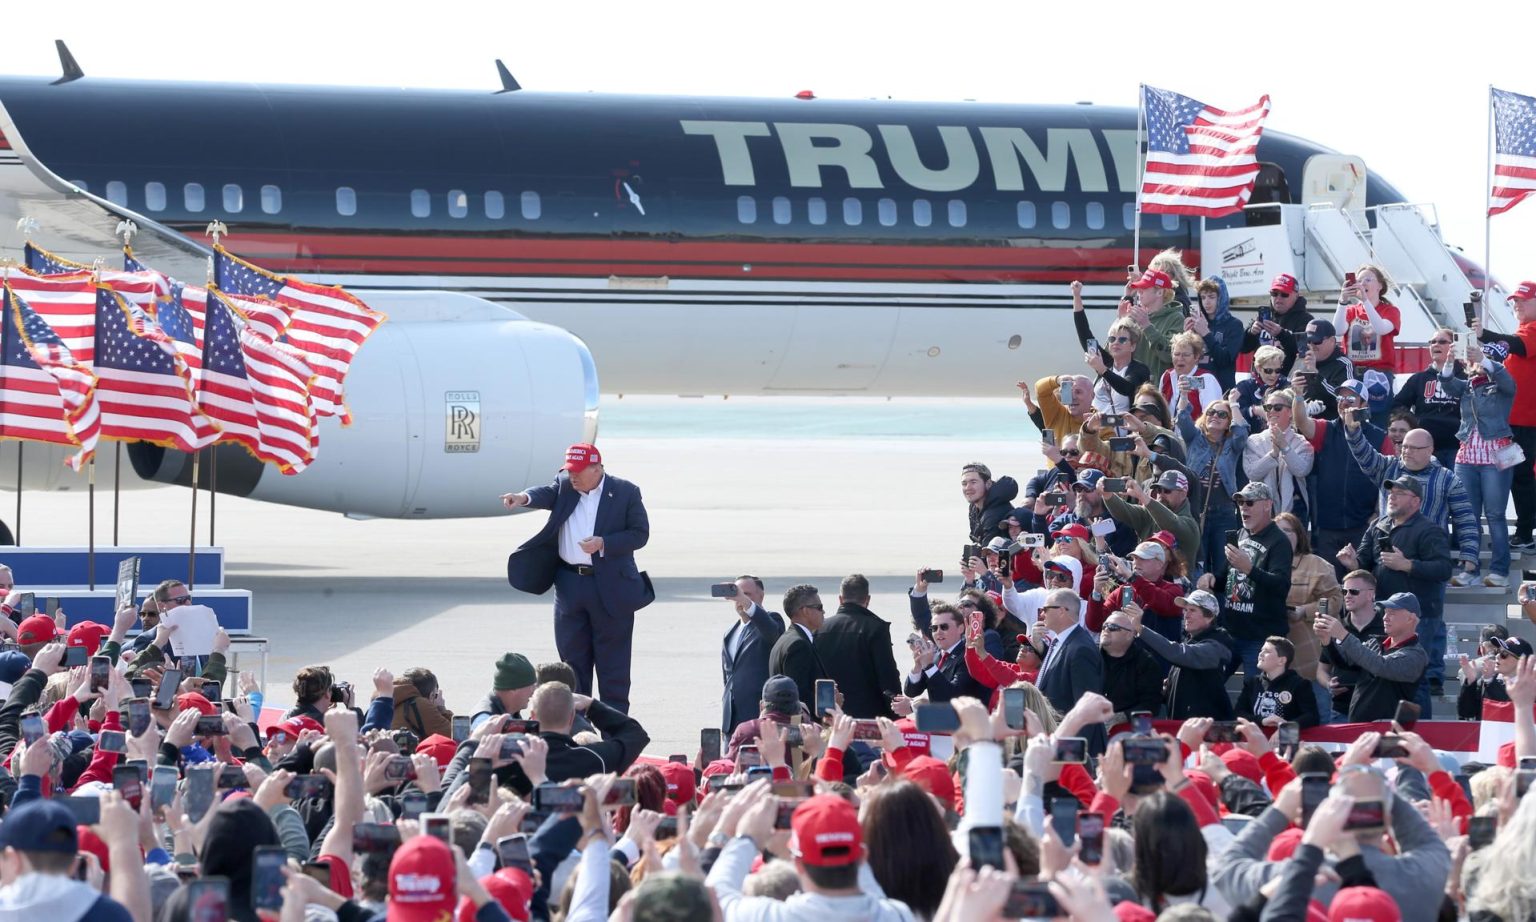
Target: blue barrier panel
{"x":232,"y":606}
{"x":69,"y":566}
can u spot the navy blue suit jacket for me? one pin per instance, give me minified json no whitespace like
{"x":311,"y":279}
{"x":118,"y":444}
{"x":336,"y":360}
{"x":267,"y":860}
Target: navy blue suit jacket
{"x":621,"y":523}
{"x":952,"y":680}
{"x":746,"y":673}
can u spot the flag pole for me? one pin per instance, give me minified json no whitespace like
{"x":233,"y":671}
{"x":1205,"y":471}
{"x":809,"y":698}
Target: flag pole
{"x":90,"y":553}
{"x":192,"y":541}
{"x":19,"y":446}
{"x":213,"y":491}
{"x":117,"y":484}
{"x":1487,"y":208}
{"x":1141,"y":168}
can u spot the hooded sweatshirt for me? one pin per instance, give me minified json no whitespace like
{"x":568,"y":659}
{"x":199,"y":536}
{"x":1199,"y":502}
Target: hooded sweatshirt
{"x":1224,"y":341}
{"x":987,"y":522}
{"x":57,"y":899}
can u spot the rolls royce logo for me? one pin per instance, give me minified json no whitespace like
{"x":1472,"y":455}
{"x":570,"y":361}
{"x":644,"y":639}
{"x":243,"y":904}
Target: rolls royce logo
{"x":463,"y":422}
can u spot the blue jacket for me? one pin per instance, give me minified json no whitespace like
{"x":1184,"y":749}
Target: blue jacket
{"x":1224,"y":341}
{"x":621,"y":523}
{"x":747,"y":670}
{"x":1198,"y":451}
{"x":1445,"y":499}
{"x":1487,"y":406}
{"x":1342,"y":496}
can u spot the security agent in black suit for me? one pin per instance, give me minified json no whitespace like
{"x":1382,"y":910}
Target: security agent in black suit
{"x":794,"y":655}
{"x":744,"y":654}
{"x":938,"y":666}
{"x":855,"y":645}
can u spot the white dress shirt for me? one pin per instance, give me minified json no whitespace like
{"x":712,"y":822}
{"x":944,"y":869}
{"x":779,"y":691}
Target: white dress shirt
{"x":579,"y":526}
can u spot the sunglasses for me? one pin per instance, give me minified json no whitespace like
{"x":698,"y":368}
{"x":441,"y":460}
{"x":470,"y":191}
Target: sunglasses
{"x":1269,"y":371}
{"x":1053,"y":608}
{"x":1440,"y":342}
{"x":181,"y":599}
{"x":1119,"y":339}
{"x":1071,"y":452}
{"x":1146,"y":408}
{"x":1064,"y":539}
{"x":1276,"y":407}
{"x":1057,"y":574}
{"x":1505,"y":654}
{"x":1218,"y":414}
{"x":1354,"y":591}
{"x":1246,"y":503}
{"x":1111,"y":628}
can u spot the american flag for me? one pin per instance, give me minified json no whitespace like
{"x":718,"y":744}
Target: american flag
{"x":143,"y":386}
{"x":326,"y":325}
{"x":1514,"y":153}
{"x":1200,"y":160}
{"x":163,"y":282}
{"x":257,"y":390}
{"x":43,"y":262}
{"x":182,"y":315}
{"x":46,"y":394}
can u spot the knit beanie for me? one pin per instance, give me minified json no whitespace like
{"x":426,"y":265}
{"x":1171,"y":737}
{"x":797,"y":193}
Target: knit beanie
{"x":513,"y":671}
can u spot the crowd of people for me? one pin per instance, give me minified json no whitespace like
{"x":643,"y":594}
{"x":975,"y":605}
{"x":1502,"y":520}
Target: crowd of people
{"x":1104,"y":721}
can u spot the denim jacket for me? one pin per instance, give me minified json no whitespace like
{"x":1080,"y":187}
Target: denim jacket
{"x":1198,"y":451}
{"x":1486,"y":407}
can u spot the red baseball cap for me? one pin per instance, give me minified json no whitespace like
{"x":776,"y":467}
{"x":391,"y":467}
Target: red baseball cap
{"x":581,"y":456}
{"x":194,"y":700}
{"x":932,"y":776}
{"x":439,"y":747}
{"x":510,"y":887}
{"x":1075,"y":530}
{"x":423,"y":882}
{"x":919,"y":743}
{"x":1154,"y":279}
{"x":824,"y":832}
{"x":37,"y":629}
{"x":88,"y":634}
{"x":1284,"y":845}
{"x":680,"y":784}
{"x":1363,"y":904}
{"x":1284,"y":282}
{"x":293,"y":726}
{"x":718,"y":767}
{"x":1526,"y":292}
{"x":1244,"y":763}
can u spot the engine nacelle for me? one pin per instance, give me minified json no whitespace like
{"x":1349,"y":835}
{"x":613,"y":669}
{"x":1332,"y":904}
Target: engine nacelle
{"x":454,"y":401}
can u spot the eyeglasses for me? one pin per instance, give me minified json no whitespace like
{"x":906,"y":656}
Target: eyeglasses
{"x":1408,"y":447}
{"x":967,"y":604}
{"x":1218,"y":414}
{"x":1246,"y":503}
{"x":1440,"y":342}
{"x":1269,"y":371}
{"x":1111,"y":628}
{"x":1354,"y":591}
{"x":1071,"y":452}
{"x":1057,"y":574}
{"x":1276,"y":407}
{"x":1053,"y":608}
{"x":180,"y":599}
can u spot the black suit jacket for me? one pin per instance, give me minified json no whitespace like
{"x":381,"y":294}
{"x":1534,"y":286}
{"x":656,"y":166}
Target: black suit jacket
{"x":952,"y":680}
{"x":855,"y":645}
{"x":621,"y":523}
{"x":748,"y":670}
{"x":795,"y":656}
{"x":1075,"y":670}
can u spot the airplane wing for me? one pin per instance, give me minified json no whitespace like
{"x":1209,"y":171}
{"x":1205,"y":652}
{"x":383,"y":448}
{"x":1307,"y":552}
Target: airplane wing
{"x":77,"y":224}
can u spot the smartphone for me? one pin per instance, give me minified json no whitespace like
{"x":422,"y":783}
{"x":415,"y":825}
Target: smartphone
{"x":1223,"y":731}
{"x":1013,"y":708}
{"x":439,"y":826}
{"x":709,"y":745}
{"x":162,"y":787}
{"x":1323,"y":605}
{"x":1092,"y":345}
{"x":1349,"y":280}
{"x":309,"y":787}
{"x":1407,"y":715}
{"x":86,"y":810}
{"x":198,"y":796}
{"x":620,"y":794}
{"x":1289,"y":734}
{"x":1366,"y":815}
{"x":532,"y":821}
{"x":1070,"y":750}
{"x":1103,"y":528}
{"x":1141,"y":723}
{"x":75,"y":657}
{"x":511,"y":745}
{"x":112,"y":741}
{"x":479,"y":781}
{"x":1481,"y":830}
{"x":33,"y":728}
{"x":376,"y":837}
{"x":758,"y":772}
{"x":1064,"y":812}
{"x":1390,"y":746}
{"x":460,"y":728}
{"x":987,"y":847}
{"x":165,"y":695}
{"x":208,"y":899}
{"x":666,"y":829}
{"x":1314,"y":790}
{"x":1527,"y":764}
{"x":320,"y":871}
{"x":412,"y":804}
{"x":826,"y":697}
{"x":1266,"y":315}
{"x":1523,"y":779}
{"x":786,"y":815}
{"x":792,"y":737}
{"x":1112,"y":484}
{"x":1232,"y":534}
{"x":552,"y":798}
{"x":937,"y":718}
{"x":867,"y":730}
{"x":142,"y":688}
{"x":519,"y":725}
{"x":211,"y":726}
{"x":512,"y":852}
{"x":138,"y":716}
{"x":724,"y":591}
{"x":714,"y":783}
{"x":213,"y":691}
{"x":1090,"y":836}
{"x":1152,"y":751}
{"x":1048,"y":436}
{"x":1121,"y":443}
{"x":127,"y":782}
{"x":748,"y":757}
{"x":399,"y":768}
{"x":232,"y":777}
{"x":1026,"y":542}
{"x":267,"y":863}
{"x":1030,"y":899}
{"x":933,"y":576}
{"x":26,"y":606}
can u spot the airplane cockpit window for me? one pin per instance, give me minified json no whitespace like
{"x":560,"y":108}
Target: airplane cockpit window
{"x":458,"y":203}
{"x":531,"y":206}
{"x":816,"y":210}
{"x":1061,"y":215}
{"x":782,"y":212}
{"x":1093,"y":213}
{"x":192,"y":197}
{"x":853,"y":212}
{"x":421,"y":203}
{"x":746,"y":209}
{"x":1170,"y":222}
{"x":346,"y":201}
{"x":234,"y":198}
{"x":922,"y":212}
{"x":154,"y":196}
{"x":117,"y":193}
{"x":495,"y":206}
{"x":887,"y":211}
{"x":956,"y":213}
{"x":271,"y":199}
{"x":1026,"y":215}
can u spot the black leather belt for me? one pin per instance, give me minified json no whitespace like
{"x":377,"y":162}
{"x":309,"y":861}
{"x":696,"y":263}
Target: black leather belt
{"x":580,"y":569}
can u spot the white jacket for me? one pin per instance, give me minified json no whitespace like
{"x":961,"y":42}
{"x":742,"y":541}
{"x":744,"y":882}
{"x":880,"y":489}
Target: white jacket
{"x":731,"y":868}
{"x":1283,"y":475}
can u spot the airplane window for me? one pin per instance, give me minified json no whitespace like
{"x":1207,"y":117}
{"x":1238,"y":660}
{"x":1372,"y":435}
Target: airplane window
{"x":117,"y":193}
{"x":1026,"y":215}
{"x":154,"y":196}
{"x":816,"y":210}
{"x":495,"y":207}
{"x":531,"y":207}
{"x":1094,"y":211}
{"x":346,"y":201}
{"x":271,"y":199}
{"x":1129,"y":216}
{"x":1061,"y":215}
{"x":458,"y":203}
{"x":956,"y":213}
{"x":192,"y":196}
{"x":782,"y":213}
{"x":234,"y":199}
{"x":421,"y":203}
{"x":853,"y":212}
{"x":1170,"y":222}
{"x":746,"y":209}
{"x":922,"y":212}
{"x":887,"y":212}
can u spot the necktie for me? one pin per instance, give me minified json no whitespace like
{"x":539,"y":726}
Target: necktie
{"x":943,"y":655}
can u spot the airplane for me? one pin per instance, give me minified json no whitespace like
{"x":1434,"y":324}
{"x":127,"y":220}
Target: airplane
{"x":536,"y":248}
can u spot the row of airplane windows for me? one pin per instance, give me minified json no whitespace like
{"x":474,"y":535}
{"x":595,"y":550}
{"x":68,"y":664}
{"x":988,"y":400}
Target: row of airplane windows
{"x":780,"y":208}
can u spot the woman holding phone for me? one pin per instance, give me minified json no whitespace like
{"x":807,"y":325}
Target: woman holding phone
{"x":1119,"y":372}
{"x":1367,"y":321}
{"x":1214,"y":443}
{"x":1185,"y":383}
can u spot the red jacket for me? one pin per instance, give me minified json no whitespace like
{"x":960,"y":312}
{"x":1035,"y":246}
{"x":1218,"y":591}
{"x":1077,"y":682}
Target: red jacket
{"x":1156,"y":598}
